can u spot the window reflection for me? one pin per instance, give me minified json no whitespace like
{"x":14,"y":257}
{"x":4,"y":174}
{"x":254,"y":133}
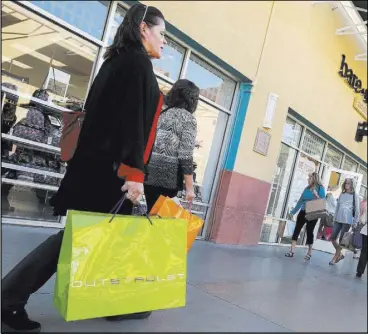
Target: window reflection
{"x":45,"y":70}
{"x":292,"y":132}
{"x":38,"y":54}
{"x":350,"y":165}
{"x":333,"y":157}
{"x":281,"y":181}
{"x":88,"y":16}
{"x":118,"y":19}
{"x":213,"y":85}
{"x":313,"y":145}
{"x":171,"y":61}
{"x":304,"y":166}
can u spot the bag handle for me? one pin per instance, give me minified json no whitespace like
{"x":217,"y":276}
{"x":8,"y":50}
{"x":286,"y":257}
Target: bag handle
{"x":118,"y":206}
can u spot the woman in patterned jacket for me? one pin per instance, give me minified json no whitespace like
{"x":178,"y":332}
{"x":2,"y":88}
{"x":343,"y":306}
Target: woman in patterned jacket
{"x":171,"y":163}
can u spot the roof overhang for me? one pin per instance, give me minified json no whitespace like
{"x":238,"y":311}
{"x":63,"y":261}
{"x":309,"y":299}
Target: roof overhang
{"x":357,"y":13}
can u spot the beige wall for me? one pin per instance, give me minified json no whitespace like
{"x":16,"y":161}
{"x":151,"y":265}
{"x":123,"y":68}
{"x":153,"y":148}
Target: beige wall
{"x":300,"y":61}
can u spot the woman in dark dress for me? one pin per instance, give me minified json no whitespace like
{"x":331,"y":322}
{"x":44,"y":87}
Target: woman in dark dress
{"x":114,"y":147}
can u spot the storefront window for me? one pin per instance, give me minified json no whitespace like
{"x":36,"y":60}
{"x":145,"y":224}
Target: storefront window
{"x":363,"y":171}
{"x":350,"y":165}
{"x":172,"y":58}
{"x":118,"y":19}
{"x":88,"y":16}
{"x":171,"y":61}
{"x":292,"y":133}
{"x":313,"y":145}
{"x":45,"y":70}
{"x":284,"y":169}
{"x":213,"y":85}
{"x":333,"y":157}
{"x":304,"y":166}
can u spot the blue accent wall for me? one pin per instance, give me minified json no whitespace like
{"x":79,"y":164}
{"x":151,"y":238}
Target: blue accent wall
{"x":237,"y":126}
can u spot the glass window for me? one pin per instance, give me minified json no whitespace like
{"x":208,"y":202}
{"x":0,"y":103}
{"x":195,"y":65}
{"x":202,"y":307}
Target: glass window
{"x":213,"y":85}
{"x":350,"y":165}
{"x":284,"y":169}
{"x":88,"y":16}
{"x":292,"y":132}
{"x":118,"y":19}
{"x":304,"y":166}
{"x":210,"y":128}
{"x":47,"y":57}
{"x":37,"y":55}
{"x":313,"y":145}
{"x":171,"y":61}
{"x":333,"y":157}
{"x":172,"y":57}
{"x":363,"y":171}
{"x":363,"y":193}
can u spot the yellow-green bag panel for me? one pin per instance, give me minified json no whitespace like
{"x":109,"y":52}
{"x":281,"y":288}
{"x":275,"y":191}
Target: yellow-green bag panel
{"x":129,"y":249}
{"x":124,"y":301}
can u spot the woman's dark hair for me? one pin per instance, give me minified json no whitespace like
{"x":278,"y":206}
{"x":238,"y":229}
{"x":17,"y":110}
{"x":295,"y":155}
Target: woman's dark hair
{"x":128,"y":34}
{"x":184,"y":94}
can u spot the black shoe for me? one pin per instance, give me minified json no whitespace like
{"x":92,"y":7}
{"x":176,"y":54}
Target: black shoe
{"x":18,"y":321}
{"x":359,"y":275}
{"x":133,"y":316}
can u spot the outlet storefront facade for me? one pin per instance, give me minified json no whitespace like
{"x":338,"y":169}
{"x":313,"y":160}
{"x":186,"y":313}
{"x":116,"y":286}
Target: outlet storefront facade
{"x":248,"y":172}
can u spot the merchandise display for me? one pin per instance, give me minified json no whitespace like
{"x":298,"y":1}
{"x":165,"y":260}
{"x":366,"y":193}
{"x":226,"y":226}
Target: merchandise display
{"x":31,"y":168}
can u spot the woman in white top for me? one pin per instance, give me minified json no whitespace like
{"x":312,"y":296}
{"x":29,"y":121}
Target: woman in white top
{"x":346,"y":215}
{"x":363,"y":253}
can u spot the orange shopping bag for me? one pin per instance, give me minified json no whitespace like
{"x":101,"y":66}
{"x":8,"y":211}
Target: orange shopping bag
{"x":165,"y":207}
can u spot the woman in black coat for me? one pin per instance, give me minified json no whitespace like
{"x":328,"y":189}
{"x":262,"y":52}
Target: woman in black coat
{"x":114,"y":146}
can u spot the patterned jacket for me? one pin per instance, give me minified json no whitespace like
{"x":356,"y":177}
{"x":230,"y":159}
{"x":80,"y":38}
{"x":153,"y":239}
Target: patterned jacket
{"x":173,"y":148}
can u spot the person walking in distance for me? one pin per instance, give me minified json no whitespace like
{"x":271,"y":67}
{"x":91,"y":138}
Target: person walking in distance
{"x":313,"y":191}
{"x":113,"y":149}
{"x":347,"y":215}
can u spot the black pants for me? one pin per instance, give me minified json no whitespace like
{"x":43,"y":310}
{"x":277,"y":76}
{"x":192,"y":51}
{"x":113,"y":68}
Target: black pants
{"x":363,"y":257}
{"x":153,"y":193}
{"x":300,"y":221}
{"x":86,"y":193}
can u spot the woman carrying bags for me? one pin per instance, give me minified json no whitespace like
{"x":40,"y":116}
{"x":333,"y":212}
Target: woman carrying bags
{"x":314,"y":191}
{"x":171,"y":162}
{"x":114,"y":146}
{"x":346,"y":215}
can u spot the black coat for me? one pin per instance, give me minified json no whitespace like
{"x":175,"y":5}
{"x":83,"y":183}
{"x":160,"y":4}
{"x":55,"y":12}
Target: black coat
{"x":122,"y":110}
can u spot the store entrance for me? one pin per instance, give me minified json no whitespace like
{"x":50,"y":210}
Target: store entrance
{"x":333,"y":179}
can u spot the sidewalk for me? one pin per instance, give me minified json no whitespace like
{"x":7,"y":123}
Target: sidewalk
{"x":244,"y":289}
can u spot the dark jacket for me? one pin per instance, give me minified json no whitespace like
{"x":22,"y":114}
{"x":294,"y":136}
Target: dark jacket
{"x":122,"y":111}
{"x":117,"y":136}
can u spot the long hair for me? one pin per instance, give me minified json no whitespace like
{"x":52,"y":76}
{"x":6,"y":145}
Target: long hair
{"x":184,"y":94}
{"x":128,"y":35}
{"x":316,"y":180}
{"x":352,"y":188}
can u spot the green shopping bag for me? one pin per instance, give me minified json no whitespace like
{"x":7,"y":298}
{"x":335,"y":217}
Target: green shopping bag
{"x":129,"y":265}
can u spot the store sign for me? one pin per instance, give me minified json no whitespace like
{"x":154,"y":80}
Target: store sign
{"x":353,"y":81}
{"x":360,"y":107}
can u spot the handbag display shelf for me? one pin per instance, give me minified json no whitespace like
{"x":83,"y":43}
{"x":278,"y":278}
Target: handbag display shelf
{"x":27,"y":161}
